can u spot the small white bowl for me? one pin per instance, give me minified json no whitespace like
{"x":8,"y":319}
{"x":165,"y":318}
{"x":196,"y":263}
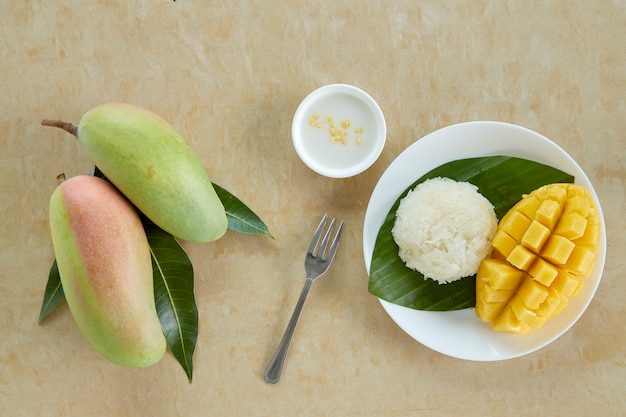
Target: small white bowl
{"x":338,"y":131}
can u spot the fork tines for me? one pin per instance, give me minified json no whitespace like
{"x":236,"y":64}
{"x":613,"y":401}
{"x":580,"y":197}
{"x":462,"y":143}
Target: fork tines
{"x":317,"y":248}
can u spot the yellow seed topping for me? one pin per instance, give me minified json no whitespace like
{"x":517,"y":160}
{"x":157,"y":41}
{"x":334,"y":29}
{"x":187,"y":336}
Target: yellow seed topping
{"x":336,"y":134}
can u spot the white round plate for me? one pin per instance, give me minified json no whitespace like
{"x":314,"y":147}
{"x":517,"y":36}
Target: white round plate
{"x":461,"y":334}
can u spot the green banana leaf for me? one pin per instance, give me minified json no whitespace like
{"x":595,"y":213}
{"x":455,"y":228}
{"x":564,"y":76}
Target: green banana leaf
{"x":503,"y":180}
{"x":173,"y":278}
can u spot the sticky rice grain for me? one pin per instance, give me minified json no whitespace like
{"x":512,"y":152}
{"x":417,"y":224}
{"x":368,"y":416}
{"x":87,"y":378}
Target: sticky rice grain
{"x":443,"y":229}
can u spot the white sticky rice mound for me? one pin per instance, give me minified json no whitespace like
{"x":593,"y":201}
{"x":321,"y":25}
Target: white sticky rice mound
{"x":444,"y":229}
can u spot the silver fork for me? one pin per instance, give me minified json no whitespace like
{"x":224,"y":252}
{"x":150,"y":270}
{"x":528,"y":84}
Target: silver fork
{"x":316,"y":263}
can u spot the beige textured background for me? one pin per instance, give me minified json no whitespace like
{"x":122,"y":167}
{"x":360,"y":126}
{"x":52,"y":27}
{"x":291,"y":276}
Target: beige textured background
{"x":229,"y":76}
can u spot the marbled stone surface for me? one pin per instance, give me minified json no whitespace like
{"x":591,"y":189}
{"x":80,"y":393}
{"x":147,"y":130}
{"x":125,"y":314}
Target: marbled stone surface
{"x":229,"y":75}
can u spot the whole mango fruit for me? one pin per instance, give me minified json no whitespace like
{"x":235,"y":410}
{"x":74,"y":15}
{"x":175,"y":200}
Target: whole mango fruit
{"x":154,"y":167}
{"x":105,"y":267}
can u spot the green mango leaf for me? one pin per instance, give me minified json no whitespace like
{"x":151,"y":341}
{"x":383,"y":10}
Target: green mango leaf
{"x":240,"y":217}
{"x":503,"y":181}
{"x":53,"y":295}
{"x":174,"y":294}
{"x":173,"y":278}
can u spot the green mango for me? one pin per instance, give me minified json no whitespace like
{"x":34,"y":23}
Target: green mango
{"x":105,"y":266}
{"x":153,"y":165}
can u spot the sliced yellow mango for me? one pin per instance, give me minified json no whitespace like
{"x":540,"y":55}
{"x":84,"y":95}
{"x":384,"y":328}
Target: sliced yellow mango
{"x":528,"y":206}
{"x":535,"y":236}
{"x":521,"y":258}
{"x":548,"y":213}
{"x":492,"y":296}
{"x":499,"y":275}
{"x":580,"y":261}
{"x":571,"y":225}
{"x":532,"y":293}
{"x":503,"y":243}
{"x":543,"y":271}
{"x":525,"y":314}
{"x":508,"y":322}
{"x":565,"y":283}
{"x":543,"y":249}
{"x":516,"y":225}
{"x":550,"y":304}
{"x":487,"y":311}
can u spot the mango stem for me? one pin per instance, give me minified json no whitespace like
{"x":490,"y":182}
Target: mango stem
{"x":61,"y":178}
{"x":68,"y":127}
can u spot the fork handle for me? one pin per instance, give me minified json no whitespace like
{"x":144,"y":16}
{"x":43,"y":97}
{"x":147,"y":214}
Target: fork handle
{"x":275,"y":368}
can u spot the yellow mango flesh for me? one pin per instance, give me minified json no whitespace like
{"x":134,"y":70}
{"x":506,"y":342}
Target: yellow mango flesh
{"x":547,"y":241}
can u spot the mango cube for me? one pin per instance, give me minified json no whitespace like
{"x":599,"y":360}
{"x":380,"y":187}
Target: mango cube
{"x":543,"y":271}
{"x":528,"y":206}
{"x":580,"y":261}
{"x":488,"y":311}
{"x":525,"y":314}
{"x":565,"y":283}
{"x":535,"y":236}
{"x":591,"y":236}
{"x":503,"y":243}
{"x":571,"y":225}
{"x":515,"y":225}
{"x":521,"y":258}
{"x":548,"y":213}
{"x":578,"y":204}
{"x":532,"y":293}
{"x":550,"y":304}
{"x":498,"y":275}
{"x":508,"y":322}
{"x":557,"y":249}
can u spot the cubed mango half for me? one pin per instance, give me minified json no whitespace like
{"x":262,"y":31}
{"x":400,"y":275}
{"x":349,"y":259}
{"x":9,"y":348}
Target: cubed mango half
{"x":543,"y":249}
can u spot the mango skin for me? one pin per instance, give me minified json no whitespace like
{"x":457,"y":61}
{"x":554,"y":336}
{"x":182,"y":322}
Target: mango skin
{"x":155,"y":168}
{"x":105,"y":266}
